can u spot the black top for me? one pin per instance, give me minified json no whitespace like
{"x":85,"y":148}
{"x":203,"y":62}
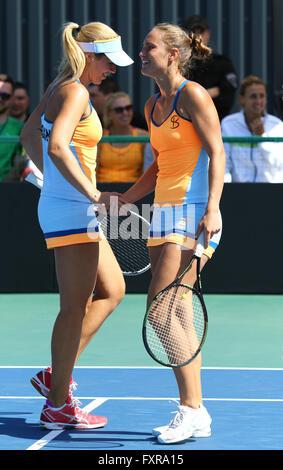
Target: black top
{"x":217,"y":70}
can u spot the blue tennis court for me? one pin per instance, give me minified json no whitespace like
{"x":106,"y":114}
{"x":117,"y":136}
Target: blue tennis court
{"x":242,"y":379}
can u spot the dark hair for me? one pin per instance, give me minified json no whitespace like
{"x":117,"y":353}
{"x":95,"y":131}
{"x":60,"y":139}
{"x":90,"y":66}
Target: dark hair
{"x":7,"y":79}
{"x":76,"y":31}
{"x":248,"y":81}
{"x":109,"y":85}
{"x":196,"y":22}
{"x":21,"y":85}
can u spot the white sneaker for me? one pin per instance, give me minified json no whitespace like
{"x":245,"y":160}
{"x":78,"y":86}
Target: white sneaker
{"x":188,"y":422}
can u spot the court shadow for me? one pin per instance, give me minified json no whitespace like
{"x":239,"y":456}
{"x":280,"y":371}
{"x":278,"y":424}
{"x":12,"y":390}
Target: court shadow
{"x":103,"y":437}
{"x":186,"y":441}
{"x":16,"y":427}
{"x":95,"y":439}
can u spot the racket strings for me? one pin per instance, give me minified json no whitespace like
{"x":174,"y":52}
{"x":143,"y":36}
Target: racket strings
{"x":128,"y":240}
{"x":176,"y":326}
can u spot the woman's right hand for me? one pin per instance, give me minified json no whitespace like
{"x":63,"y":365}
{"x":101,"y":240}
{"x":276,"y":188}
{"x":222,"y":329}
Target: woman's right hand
{"x":102,"y":202}
{"x":112,"y":203}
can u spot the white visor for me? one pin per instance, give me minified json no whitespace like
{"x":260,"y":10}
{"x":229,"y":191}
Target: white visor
{"x":111,"y":48}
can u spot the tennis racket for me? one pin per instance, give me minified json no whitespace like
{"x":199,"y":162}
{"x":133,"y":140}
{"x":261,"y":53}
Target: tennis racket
{"x":175,"y":324}
{"x":127,"y":236}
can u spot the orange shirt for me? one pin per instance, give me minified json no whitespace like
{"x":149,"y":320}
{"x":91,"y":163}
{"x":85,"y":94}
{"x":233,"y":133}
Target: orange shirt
{"x":85,"y":139}
{"x":182,"y":161}
{"x":124,"y":164}
{"x":84,"y":147}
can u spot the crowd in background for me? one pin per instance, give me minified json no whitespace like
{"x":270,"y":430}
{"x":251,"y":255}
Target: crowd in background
{"x":126,"y":161}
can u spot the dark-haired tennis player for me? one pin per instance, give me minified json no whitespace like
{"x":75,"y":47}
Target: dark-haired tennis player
{"x":61,"y":137}
{"x":187,"y":176}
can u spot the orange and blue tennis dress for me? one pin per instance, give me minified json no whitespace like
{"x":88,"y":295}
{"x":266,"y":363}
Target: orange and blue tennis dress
{"x":65,"y":215}
{"x":120,"y":164}
{"x":182,"y":185}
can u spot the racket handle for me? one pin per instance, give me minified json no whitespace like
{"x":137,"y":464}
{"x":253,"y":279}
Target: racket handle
{"x":200,"y":245}
{"x":35,"y":180}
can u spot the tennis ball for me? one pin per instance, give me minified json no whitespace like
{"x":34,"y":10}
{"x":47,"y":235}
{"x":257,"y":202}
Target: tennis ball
{"x":184,"y":296}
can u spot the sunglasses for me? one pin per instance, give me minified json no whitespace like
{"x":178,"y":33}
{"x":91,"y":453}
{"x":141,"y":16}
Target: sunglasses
{"x":120,"y":109}
{"x":5,"y":96}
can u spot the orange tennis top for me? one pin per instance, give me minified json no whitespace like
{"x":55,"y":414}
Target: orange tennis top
{"x":182,"y":176}
{"x":83,"y":145}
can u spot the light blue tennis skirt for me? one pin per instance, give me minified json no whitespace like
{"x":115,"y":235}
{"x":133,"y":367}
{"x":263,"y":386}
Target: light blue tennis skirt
{"x":66,"y":222}
{"x":178,"y":224}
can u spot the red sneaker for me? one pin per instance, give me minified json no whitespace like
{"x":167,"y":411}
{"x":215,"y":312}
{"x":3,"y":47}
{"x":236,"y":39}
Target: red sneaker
{"x":69,"y":416}
{"x":41,"y":382}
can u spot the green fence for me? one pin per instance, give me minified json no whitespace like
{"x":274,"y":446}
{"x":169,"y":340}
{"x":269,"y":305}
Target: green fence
{"x":129,"y":138}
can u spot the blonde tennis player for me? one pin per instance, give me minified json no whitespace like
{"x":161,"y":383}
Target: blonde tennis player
{"x":61,"y":137}
{"x":187,"y":175}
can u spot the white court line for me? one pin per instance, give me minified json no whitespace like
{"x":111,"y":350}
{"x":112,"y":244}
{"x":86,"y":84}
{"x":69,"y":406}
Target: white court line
{"x":99,"y":400}
{"x":53,"y":434}
{"x":148,"y":367}
{"x":147,"y":398}
{"x":96,"y":402}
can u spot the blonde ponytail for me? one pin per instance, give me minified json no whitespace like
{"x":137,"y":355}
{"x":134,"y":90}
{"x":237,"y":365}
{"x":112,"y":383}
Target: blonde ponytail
{"x":73,"y":63}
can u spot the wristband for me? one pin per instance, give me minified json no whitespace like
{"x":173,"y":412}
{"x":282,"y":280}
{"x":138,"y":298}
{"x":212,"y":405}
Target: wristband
{"x":95,"y":198}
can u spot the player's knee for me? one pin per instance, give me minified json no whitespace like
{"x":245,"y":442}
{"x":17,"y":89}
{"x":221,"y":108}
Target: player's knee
{"x":75,"y":312}
{"x":118,"y":292}
{"x":113,"y":294}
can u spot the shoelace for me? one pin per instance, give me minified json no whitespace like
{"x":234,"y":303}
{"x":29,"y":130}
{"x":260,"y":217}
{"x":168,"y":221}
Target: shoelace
{"x":76,"y":402}
{"x":178,"y":418}
{"x":74,"y":386}
{"x":79,"y":413}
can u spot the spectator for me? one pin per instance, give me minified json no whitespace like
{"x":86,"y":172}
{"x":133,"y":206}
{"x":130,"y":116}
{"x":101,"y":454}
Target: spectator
{"x":19,"y":109}
{"x":12,"y":160}
{"x":216,"y":74}
{"x":258,"y":162}
{"x":120,"y":162}
{"x":98,"y":95}
{"x":20,"y":102}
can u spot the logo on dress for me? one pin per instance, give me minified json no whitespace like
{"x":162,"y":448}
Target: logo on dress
{"x":45,"y":133}
{"x":182,"y":224}
{"x":174,"y":122}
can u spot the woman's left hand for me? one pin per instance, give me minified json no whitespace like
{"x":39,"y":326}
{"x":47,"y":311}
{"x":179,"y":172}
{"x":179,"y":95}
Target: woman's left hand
{"x":211,"y":224}
{"x":116,"y":204}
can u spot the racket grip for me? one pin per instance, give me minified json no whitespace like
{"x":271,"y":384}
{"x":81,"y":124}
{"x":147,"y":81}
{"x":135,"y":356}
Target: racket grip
{"x":200,"y":245}
{"x":35,"y":180}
